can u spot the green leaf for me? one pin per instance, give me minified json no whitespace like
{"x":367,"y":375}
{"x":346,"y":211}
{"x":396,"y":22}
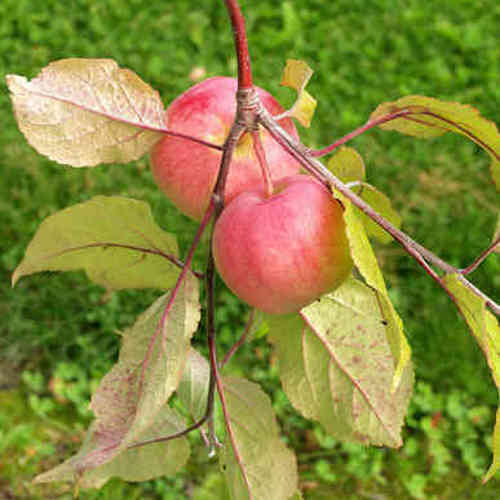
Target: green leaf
{"x":268,"y":465}
{"x":114,"y":239}
{"x":365,"y":261}
{"x":337,"y":367}
{"x":193,"y":387}
{"x":484,"y":326}
{"x":347,"y":164}
{"x":296,"y":75}
{"x":381,"y":204}
{"x":129,"y":404}
{"x":430,"y":117}
{"x":83,"y":112}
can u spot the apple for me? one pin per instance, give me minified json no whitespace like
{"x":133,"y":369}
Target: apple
{"x":280,"y":252}
{"x":186,"y":171}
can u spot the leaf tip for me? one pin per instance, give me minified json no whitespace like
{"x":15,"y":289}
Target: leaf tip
{"x":16,"y":275}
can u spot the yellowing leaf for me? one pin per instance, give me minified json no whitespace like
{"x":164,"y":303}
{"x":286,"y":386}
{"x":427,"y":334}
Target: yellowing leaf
{"x":347,"y":164}
{"x":83,"y":112}
{"x":430,"y":117}
{"x":496,"y":236}
{"x":268,"y":465}
{"x":296,"y":75}
{"x":135,"y":464}
{"x":381,"y":204}
{"x":337,"y":367}
{"x":129,"y":404}
{"x":365,"y":261}
{"x":114,"y":239}
{"x":484,"y":326}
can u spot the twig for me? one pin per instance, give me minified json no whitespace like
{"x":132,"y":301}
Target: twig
{"x":240,"y":341}
{"x":472,"y":267}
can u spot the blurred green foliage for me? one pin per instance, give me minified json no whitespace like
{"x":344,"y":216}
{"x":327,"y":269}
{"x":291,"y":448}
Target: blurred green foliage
{"x":57,"y":333}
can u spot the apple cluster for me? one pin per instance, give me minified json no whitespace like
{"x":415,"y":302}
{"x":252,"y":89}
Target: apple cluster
{"x":277,"y":251}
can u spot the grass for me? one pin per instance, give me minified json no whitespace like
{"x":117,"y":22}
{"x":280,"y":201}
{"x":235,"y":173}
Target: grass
{"x":56,"y":328}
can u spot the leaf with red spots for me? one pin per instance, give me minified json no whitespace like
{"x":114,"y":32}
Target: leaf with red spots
{"x":337,"y":366}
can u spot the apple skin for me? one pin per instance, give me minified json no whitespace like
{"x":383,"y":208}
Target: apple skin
{"x":186,"y":171}
{"x":281,"y":252}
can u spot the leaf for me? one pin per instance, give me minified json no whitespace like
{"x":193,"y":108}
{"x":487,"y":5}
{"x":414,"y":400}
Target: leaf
{"x":114,"y":239}
{"x":129,"y":404}
{"x":337,"y":367}
{"x":347,"y":164}
{"x":135,"y":464}
{"x":430,"y":117}
{"x":83,"y":112}
{"x":484,"y":326}
{"x":381,"y":204}
{"x":269,"y":466}
{"x":193,"y":387}
{"x":365,"y":261}
{"x":496,"y":236}
{"x":296,"y":75}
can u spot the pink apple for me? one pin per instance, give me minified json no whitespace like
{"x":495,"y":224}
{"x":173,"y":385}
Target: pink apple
{"x":279,"y":253}
{"x":187,"y":171}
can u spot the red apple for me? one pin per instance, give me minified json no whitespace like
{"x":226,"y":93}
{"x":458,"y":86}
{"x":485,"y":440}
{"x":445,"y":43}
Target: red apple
{"x":279,"y":253}
{"x":187,"y":171}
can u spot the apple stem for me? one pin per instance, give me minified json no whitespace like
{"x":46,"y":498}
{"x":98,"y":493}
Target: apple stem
{"x":261,"y":158}
{"x":241,"y":44}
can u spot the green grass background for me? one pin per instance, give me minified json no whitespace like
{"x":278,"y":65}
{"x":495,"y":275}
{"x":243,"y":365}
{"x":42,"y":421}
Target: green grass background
{"x":57,"y":333}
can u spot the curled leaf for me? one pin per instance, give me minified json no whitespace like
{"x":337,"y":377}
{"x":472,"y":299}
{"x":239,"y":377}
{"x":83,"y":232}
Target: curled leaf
{"x":83,"y":112}
{"x":365,"y":261}
{"x":428,"y":117}
{"x":484,"y":326}
{"x":296,"y":75}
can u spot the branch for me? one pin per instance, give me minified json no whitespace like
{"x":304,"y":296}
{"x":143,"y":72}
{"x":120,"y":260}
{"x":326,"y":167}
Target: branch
{"x":316,"y":168}
{"x":240,"y":341}
{"x":241,"y":44}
